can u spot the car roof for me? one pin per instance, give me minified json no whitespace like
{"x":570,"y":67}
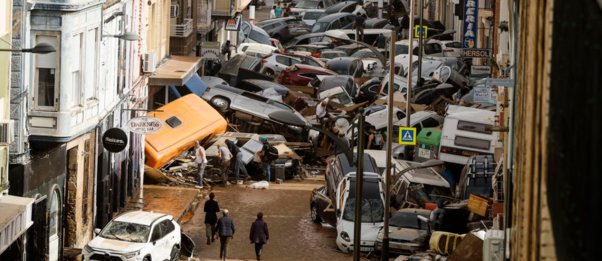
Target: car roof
{"x":426,"y":176}
{"x":415,"y":118}
{"x":338,"y":6}
{"x":332,"y":17}
{"x":369,"y":163}
{"x":312,"y":67}
{"x":264,"y":84}
{"x":470,"y":114}
{"x":228,"y":88}
{"x":341,"y":60}
{"x":141,"y":217}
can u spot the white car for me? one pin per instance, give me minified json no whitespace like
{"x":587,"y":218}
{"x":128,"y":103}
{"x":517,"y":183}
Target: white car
{"x":136,"y":235}
{"x":452,"y":48}
{"x":275,"y":63}
{"x":373,"y":211}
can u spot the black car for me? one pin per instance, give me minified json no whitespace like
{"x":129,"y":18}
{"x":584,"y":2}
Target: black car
{"x":341,"y":7}
{"x":346,"y":66}
{"x":349,"y":49}
{"x":376,"y":23}
{"x":345,"y":81}
{"x":369,"y":90}
{"x":284,"y":28}
{"x":333,"y":21}
{"x":305,"y":39}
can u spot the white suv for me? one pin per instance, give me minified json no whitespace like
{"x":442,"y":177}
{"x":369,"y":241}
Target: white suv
{"x":136,"y":235}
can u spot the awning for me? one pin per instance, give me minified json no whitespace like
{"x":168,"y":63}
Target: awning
{"x":193,"y":85}
{"x":177,"y":70}
{"x":15,"y":219}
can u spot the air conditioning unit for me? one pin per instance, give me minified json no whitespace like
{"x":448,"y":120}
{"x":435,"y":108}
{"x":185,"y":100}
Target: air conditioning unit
{"x":148,"y":65}
{"x":173,"y":11}
{"x":6,"y":132}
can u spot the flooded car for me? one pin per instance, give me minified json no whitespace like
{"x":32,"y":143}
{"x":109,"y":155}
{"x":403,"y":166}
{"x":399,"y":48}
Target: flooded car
{"x":136,"y":235}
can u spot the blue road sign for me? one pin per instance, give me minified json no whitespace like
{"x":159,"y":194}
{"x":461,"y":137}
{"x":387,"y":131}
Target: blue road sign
{"x":407,"y":136}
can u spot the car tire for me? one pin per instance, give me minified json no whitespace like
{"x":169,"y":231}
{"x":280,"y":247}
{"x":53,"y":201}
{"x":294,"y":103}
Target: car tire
{"x":221,"y":103}
{"x":146,"y":259}
{"x":175,"y":253}
{"x":270,"y":72}
{"x":314,"y":214}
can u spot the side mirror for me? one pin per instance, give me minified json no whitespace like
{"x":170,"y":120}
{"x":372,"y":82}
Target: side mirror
{"x":97,"y":231}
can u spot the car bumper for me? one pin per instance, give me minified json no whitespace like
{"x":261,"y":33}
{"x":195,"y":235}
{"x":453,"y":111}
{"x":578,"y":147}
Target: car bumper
{"x":347,"y":247}
{"x":98,"y":256}
{"x":399,"y":247}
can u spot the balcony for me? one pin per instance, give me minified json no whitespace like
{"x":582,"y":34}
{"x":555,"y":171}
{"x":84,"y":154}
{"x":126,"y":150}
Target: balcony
{"x":182,"y":30}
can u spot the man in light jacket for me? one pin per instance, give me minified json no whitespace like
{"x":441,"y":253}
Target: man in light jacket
{"x":201,"y":161}
{"x":226,"y":231}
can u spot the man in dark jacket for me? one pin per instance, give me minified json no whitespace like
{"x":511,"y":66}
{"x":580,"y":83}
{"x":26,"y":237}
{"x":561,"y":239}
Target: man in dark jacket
{"x":238,"y":163}
{"x":266,"y":161}
{"x":211,"y":209}
{"x":259,"y":234}
{"x":226,"y":231}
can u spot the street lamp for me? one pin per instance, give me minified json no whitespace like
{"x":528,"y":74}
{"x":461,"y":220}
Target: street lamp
{"x":128,"y":36}
{"x":427,"y":164}
{"x":41,"y":48}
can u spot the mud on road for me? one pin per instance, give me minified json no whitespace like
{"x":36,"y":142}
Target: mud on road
{"x":293,"y":236}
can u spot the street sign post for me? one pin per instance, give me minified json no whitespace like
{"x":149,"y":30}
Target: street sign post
{"x":407,"y":136}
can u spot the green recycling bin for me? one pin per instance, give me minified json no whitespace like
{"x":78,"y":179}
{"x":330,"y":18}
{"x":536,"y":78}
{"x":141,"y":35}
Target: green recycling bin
{"x":427,"y":144}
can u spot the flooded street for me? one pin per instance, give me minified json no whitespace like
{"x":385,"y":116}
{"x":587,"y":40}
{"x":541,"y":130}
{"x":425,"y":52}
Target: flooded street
{"x":293,"y":236}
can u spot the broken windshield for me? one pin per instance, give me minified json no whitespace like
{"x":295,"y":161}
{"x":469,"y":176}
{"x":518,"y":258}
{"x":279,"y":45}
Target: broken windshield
{"x":372,"y":204}
{"x":125,"y":231}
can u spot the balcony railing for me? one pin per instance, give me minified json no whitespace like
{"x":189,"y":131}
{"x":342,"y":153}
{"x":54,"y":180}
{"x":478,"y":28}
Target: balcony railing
{"x":181,"y":30}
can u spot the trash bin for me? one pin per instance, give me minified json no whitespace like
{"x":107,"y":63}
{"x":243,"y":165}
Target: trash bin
{"x":280,"y":171}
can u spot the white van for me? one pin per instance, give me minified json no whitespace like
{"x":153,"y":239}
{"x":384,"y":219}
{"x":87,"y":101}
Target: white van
{"x":373,"y":211}
{"x":467,"y":132}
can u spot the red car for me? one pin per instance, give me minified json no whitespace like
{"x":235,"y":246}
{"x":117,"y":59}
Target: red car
{"x":301,"y":74}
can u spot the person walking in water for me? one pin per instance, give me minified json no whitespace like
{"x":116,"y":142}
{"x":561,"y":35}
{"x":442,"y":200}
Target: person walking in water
{"x":259,"y":234}
{"x":226,"y":231}
{"x":211,"y":208}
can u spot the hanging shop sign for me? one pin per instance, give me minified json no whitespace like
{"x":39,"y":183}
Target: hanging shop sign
{"x":144,"y":125}
{"x":471,"y":23}
{"x":114,"y":140}
{"x":233,"y":24}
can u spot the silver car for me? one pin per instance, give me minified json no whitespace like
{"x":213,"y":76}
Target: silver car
{"x":275,"y":63}
{"x":226,"y":98}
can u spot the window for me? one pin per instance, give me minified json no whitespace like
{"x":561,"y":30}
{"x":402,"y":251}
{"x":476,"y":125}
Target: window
{"x":401,"y":49}
{"x":283,"y":60}
{"x":167,"y":227}
{"x":430,"y":123}
{"x":173,"y":122}
{"x":453,"y":45}
{"x":45,"y":78}
{"x":472,"y":143}
{"x":474,"y":127}
{"x":432,"y":48}
{"x":76,"y":80}
{"x":90,"y":57}
{"x":157,"y":233}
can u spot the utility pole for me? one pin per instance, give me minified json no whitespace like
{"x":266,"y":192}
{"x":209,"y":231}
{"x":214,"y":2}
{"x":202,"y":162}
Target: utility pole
{"x":406,"y":152}
{"x":385,"y":253}
{"x":420,"y":47}
{"x":359,"y":188}
{"x":380,"y":9}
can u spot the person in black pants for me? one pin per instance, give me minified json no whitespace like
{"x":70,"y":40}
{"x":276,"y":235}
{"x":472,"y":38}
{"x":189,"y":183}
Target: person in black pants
{"x":211,"y":208}
{"x":259,"y":234}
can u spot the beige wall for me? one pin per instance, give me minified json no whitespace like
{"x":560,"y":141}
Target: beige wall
{"x":157,"y":30}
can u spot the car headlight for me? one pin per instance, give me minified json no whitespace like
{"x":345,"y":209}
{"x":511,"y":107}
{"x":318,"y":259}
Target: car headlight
{"x":88,"y":249}
{"x":345,"y":236}
{"x":131,"y":254}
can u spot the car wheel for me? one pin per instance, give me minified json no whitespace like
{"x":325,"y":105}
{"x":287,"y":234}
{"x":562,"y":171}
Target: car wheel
{"x":175,"y":253}
{"x":221,"y":103}
{"x":270,"y":72}
{"x":146,"y":259}
{"x":314,"y":214}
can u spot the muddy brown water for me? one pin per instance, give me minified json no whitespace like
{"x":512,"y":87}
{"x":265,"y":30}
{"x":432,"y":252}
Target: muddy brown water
{"x":293,"y":236}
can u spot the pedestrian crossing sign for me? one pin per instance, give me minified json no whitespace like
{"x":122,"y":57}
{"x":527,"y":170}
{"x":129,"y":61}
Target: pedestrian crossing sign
{"x":407,"y":136}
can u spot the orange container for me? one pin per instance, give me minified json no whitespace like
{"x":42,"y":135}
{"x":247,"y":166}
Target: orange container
{"x":185,"y":120}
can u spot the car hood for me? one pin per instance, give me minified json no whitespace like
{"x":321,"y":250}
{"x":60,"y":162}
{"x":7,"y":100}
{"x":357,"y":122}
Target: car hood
{"x":114,"y":246}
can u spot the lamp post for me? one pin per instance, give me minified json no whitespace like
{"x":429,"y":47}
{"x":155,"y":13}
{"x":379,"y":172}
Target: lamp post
{"x":290,"y":118}
{"x":406,"y":152}
{"x":128,"y":36}
{"x":41,"y":48}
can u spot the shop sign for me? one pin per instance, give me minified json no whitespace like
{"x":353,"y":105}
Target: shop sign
{"x":471,"y":23}
{"x":144,"y":125}
{"x":114,"y":140}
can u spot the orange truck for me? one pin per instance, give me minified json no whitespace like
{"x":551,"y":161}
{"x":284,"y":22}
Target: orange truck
{"x":185,"y":120}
